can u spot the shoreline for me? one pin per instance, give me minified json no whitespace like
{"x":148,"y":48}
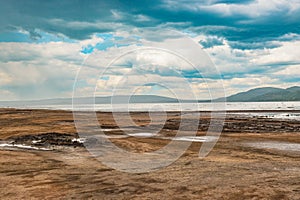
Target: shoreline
{"x":184,"y":111}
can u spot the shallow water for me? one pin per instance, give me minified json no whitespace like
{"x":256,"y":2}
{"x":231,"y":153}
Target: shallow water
{"x":195,"y":138}
{"x":157,"y":136}
{"x":290,"y":116}
{"x":282,"y":146}
{"x":109,"y":129}
{"x":292,"y":105}
{"x":22,"y":146}
{"x":295,"y":116}
{"x":79,"y":140}
{"x":142,"y":134}
{"x":182,"y":138}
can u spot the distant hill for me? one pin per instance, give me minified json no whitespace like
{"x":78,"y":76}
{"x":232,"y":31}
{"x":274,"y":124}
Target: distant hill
{"x":97,"y":100}
{"x":267,"y":94}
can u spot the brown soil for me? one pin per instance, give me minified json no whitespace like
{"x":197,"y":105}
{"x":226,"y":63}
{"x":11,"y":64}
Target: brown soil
{"x":231,"y":171}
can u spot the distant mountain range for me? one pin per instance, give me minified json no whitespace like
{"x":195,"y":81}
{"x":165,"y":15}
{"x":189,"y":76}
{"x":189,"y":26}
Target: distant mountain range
{"x":254,"y":95}
{"x":97,"y":100}
{"x":267,"y":94}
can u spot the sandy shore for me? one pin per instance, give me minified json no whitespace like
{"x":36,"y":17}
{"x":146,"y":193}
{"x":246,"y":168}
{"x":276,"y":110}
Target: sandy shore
{"x":255,"y":158}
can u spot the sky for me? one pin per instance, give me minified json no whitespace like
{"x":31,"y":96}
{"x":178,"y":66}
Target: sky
{"x":44,"y":45}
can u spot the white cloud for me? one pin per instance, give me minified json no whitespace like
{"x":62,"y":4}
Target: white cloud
{"x":142,"y":18}
{"x":30,"y":51}
{"x":44,"y":70}
{"x":266,"y":60}
{"x":5,"y":78}
{"x":257,"y":8}
{"x":83,"y":25}
{"x":6,"y":95}
{"x":288,"y":52}
{"x":290,"y":71}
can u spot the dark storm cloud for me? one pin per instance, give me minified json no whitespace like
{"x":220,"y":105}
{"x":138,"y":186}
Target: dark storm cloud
{"x":71,"y":18}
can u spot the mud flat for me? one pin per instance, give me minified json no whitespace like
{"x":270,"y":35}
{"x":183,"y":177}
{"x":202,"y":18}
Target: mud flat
{"x":43,"y":157}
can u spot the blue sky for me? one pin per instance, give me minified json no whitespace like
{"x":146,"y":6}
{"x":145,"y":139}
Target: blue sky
{"x":253,"y":43}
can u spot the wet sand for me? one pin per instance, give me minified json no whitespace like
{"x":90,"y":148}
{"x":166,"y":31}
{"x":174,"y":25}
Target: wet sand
{"x":255,"y":158}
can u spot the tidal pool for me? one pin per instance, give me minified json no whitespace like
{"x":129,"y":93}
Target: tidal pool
{"x":282,"y":146}
{"x":22,"y":146}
